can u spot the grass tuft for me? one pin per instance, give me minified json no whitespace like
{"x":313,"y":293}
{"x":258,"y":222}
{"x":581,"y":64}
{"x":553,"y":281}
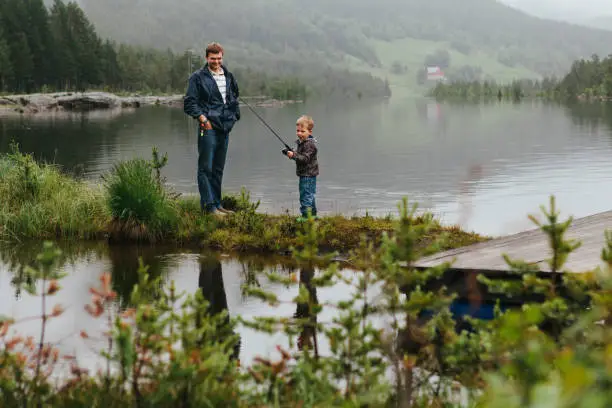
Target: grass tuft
{"x":37,"y":200}
{"x":140,"y":207}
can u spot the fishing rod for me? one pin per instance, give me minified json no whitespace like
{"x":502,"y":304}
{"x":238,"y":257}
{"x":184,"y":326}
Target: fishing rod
{"x":264,"y":122}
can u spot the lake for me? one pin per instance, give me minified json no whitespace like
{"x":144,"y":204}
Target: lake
{"x":481,"y":166}
{"x":484,"y":167}
{"x":220,"y":277}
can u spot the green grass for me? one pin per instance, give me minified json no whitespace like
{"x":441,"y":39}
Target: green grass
{"x":139,"y":205}
{"x":38,"y":201}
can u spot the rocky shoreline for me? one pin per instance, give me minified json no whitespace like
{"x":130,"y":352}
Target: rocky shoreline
{"x":81,"y":101}
{"x":90,"y":101}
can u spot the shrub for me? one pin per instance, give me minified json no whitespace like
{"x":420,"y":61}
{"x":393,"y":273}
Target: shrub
{"x":138,"y":203}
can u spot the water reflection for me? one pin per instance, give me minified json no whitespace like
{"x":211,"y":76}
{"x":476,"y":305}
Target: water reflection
{"x":125,"y":262}
{"x":210,"y":282}
{"x":594,"y":116}
{"x":305,"y":312}
{"x":89,"y":143}
{"x":219,"y":278}
{"x":17,"y":258}
{"x":66,"y":139}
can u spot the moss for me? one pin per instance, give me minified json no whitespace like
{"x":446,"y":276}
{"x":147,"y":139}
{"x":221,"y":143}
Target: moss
{"x":256,"y":232}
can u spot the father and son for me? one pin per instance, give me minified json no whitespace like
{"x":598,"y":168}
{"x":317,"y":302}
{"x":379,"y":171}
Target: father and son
{"x":212,"y":99}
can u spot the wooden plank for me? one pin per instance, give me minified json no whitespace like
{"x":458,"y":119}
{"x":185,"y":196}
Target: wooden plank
{"x":531,"y":246}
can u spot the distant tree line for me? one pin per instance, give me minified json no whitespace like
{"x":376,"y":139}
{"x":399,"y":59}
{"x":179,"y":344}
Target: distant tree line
{"x":57,"y":49}
{"x":588,"y":79}
{"x":488,"y":90}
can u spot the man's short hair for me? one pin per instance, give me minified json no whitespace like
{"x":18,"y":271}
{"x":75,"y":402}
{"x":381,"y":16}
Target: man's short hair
{"x":214,"y":48}
{"x":306,"y":121}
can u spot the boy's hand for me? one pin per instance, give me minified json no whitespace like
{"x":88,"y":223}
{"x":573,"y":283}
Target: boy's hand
{"x":290,"y":154}
{"x":286,"y":151}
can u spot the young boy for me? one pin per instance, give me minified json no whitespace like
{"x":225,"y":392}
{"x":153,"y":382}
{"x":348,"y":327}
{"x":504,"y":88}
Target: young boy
{"x":307,"y":165}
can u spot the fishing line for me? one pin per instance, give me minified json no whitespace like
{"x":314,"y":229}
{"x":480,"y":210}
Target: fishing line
{"x":264,"y":122}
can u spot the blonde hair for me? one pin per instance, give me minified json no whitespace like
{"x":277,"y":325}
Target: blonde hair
{"x":306,"y":121}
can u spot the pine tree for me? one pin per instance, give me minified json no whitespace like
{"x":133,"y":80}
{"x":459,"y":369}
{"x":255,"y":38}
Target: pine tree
{"x":6,"y":67}
{"x":66,"y":64}
{"x":86,"y":47}
{"x":40,"y":41}
{"x":14,"y":20}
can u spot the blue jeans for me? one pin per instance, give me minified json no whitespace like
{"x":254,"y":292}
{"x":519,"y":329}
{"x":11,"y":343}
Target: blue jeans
{"x":308,"y":189}
{"x":212,"y":150}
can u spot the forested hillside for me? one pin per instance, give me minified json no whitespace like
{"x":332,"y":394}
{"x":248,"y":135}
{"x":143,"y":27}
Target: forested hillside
{"x":282,"y":48}
{"x":58,"y":48}
{"x":296,"y":36}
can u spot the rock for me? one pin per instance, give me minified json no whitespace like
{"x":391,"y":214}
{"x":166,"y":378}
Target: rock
{"x":93,"y":101}
{"x":88,"y":101}
{"x":82,"y":102}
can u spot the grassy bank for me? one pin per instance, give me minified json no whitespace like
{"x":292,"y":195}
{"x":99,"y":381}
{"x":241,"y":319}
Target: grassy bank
{"x":132,"y":204}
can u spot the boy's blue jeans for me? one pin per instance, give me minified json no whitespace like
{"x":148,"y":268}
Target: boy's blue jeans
{"x":308,"y":189}
{"x":212,"y":151}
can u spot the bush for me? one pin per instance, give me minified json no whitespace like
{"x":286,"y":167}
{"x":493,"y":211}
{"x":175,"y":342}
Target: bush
{"x":138,"y":203}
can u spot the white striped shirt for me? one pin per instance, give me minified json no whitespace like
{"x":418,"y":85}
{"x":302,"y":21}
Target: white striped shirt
{"x":221,"y":83}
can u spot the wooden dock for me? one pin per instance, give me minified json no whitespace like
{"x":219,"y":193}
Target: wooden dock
{"x":530,"y":246}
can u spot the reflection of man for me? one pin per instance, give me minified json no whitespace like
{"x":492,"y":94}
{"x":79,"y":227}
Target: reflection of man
{"x":304,"y":311}
{"x":213,"y":290}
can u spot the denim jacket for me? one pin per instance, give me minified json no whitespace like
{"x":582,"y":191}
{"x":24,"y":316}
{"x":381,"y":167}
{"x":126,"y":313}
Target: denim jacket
{"x":203,"y":98}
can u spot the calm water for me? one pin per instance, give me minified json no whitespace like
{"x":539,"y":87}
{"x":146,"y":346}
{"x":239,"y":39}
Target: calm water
{"x":219,"y":277}
{"x":484,"y":167}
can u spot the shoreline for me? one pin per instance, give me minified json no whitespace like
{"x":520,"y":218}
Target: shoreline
{"x":277,"y":236}
{"x":81,"y":102}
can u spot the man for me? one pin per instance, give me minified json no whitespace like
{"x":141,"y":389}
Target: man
{"x":212,"y":99}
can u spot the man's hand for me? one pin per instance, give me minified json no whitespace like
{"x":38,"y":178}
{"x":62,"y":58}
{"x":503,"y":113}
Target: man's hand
{"x":204,"y":122}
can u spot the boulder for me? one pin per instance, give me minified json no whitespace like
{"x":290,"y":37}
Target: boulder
{"x":82,"y":101}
